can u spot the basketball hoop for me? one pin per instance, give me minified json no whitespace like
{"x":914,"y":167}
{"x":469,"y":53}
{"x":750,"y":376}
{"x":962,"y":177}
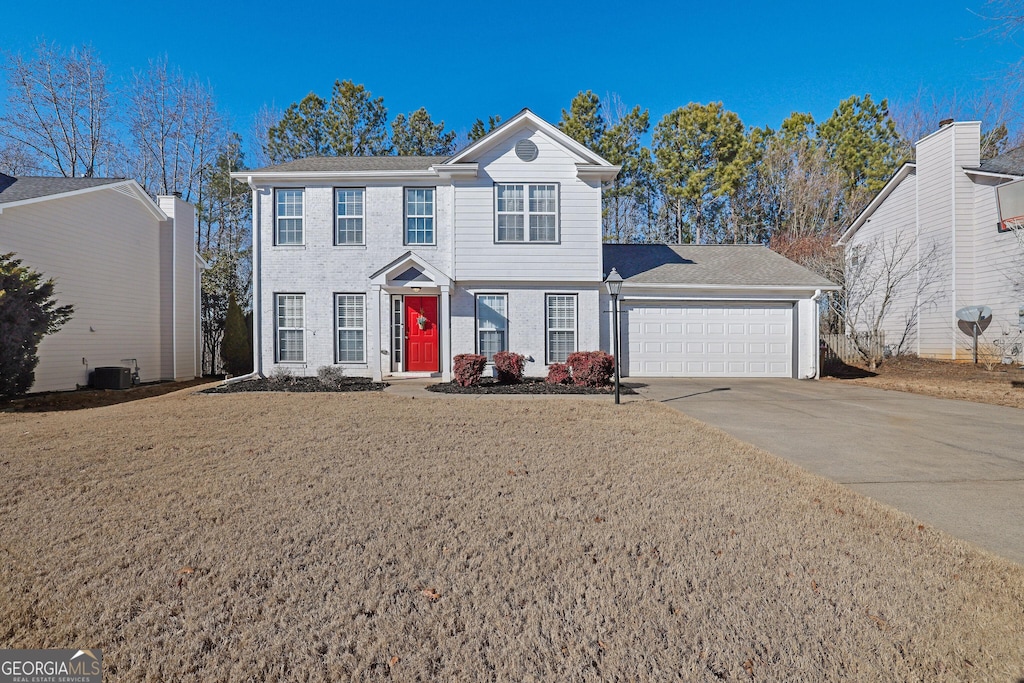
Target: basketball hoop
{"x":1014,"y":224}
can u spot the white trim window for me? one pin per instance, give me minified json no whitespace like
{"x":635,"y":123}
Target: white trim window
{"x":560,"y":326}
{"x":349,"y":208}
{"x":526,"y":213}
{"x":491,"y":324}
{"x":350,"y":322}
{"x":288,"y":214}
{"x":419,"y":215}
{"x":291,"y":328}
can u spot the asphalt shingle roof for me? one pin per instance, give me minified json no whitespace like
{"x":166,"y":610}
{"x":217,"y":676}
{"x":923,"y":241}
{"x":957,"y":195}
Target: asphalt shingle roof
{"x":391,"y":163}
{"x":721,"y":265}
{"x":1011,"y":162}
{"x":16,"y":189}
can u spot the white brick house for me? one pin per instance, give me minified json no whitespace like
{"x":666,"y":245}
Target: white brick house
{"x":387,"y":266}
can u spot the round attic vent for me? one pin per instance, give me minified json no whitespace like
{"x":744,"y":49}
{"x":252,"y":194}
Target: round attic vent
{"x":526,"y":150}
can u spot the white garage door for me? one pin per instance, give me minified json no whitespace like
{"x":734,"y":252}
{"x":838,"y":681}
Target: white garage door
{"x":708,"y":340}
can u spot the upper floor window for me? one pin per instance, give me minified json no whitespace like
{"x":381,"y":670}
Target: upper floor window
{"x":288,"y":215}
{"x":348,"y":227}
{"x":526,"y":213}
{"x":419,"y":215}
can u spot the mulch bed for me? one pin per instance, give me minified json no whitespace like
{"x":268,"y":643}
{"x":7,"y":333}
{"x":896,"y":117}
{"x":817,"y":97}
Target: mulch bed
{"x":54,"y":401}
{"x":303,"y":385}
{"x":529,"y":385}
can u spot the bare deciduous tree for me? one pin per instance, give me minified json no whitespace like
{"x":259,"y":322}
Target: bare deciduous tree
{"x":886,"y":284}
{"x":59,"y":111}
{"x":174,"y":125}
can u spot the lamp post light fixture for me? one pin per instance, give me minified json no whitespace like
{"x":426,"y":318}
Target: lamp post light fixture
{"x":614,"y":284}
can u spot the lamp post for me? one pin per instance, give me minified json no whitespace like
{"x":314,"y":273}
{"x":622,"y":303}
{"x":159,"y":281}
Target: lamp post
{"x":614,"y":284}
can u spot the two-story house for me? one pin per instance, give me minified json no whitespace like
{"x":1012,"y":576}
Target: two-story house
{"x":937,"y":221}
{"x":394,"y":265}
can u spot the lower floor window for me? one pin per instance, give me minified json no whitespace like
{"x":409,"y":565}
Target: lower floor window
{"x":351,"y":327}
{"x":291,"y":332}
{"x":491,"y":324}
{"x":560,"y":326}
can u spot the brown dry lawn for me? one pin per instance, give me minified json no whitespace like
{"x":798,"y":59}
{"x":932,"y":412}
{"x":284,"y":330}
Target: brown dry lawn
{"x":1001,"y":385}
{"x":287,"y":537}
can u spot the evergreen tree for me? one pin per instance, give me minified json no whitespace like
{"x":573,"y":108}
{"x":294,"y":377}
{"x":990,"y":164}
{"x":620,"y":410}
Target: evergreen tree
{"x":861,"y":138}
{"x":418,"y":135}
{"x":236,"y":350}
{"x":699,"y":163}
{"x":584,"y":121}
{"x":28,"y":312}
{"x":351,"y":123}
{"x":480,"y":129}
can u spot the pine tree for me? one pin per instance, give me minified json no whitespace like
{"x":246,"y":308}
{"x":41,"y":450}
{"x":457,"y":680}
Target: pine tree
{"x":28,"y":312}
{"x":236,"y":349}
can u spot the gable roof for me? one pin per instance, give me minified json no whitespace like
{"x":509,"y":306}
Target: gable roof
{"x":862,"y":218}
{"x":21,"y":190}
{"x":732,"y":266}
{"x":1008,"y":163}
{"x":16,"y":189}
{"x":343,"y":164}
{"x":591,"y":161}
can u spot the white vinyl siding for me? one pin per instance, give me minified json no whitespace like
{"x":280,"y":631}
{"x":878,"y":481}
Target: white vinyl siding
{"x":350,"y":319}
{"x":289,"y":216}
{"x":560,"y":326}
{"x":291,"y":332}
{"x":349,"y":214}
{"x":526,"y":213}
{"x":491,"y":324}
{"x":419,"y":215}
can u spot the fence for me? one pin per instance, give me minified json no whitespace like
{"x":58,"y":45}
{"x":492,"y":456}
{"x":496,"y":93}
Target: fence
{"x":842,"y":347}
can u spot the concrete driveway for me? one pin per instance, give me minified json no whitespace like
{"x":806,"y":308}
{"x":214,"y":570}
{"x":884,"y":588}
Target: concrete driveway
{"x":955,"y":465}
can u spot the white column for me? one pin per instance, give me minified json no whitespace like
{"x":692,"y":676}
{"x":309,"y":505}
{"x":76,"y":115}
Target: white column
{"x":379,"y":299}
{"x":446,"y":338}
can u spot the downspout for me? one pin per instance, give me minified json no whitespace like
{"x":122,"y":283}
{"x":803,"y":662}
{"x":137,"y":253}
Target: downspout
{"x":257,"y":294}
{"x":174,"y":293}
{"x":952,"y":245}
{"x":816,"y":374}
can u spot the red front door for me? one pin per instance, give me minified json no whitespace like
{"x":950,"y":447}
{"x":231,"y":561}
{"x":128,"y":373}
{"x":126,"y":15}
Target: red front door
{"x":421,"y":340}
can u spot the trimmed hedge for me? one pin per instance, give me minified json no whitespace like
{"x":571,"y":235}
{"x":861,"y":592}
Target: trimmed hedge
{"x":591,"y":368}
{"x":558,"y":373}
{"x":468,"y":367}
{"x":510,"y":367}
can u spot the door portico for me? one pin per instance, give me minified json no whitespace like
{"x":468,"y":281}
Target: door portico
{"x":412,"y":315}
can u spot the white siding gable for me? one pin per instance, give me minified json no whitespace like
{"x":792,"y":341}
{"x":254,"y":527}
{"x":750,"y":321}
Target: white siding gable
{"x":577,"y":255}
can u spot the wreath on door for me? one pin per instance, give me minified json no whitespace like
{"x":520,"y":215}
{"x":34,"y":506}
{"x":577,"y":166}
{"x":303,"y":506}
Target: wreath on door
{"x":422,"y":321}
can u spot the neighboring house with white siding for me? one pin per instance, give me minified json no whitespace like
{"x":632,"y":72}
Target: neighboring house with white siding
{"x":943,"y":206}
{"x":390,"y":266}
{"x":126,"y":263}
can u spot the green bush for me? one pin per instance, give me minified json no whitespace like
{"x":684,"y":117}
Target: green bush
{"x":28,"y":312}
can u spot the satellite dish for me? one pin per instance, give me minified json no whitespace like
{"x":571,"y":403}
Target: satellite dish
{"x":974,"y":314}
{"x":973,"y":320}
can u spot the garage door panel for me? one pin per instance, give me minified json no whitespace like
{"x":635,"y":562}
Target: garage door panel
{"x":709,"y":340}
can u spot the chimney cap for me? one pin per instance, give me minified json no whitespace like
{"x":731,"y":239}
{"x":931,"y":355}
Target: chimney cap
{"x":945,"y":122}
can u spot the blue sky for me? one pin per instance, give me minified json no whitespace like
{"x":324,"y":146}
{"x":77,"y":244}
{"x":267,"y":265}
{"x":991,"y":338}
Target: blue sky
{"x":467,"y":60}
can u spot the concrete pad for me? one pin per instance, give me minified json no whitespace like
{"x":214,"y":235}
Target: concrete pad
{"x":956,"y":465}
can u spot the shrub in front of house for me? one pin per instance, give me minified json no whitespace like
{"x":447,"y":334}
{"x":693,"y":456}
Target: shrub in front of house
{"x":558,"y":373}
{"x":591,"y":368}
{"x":510,"y":367}
{"x":331,"y":376}
{"x":468,"y":367}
